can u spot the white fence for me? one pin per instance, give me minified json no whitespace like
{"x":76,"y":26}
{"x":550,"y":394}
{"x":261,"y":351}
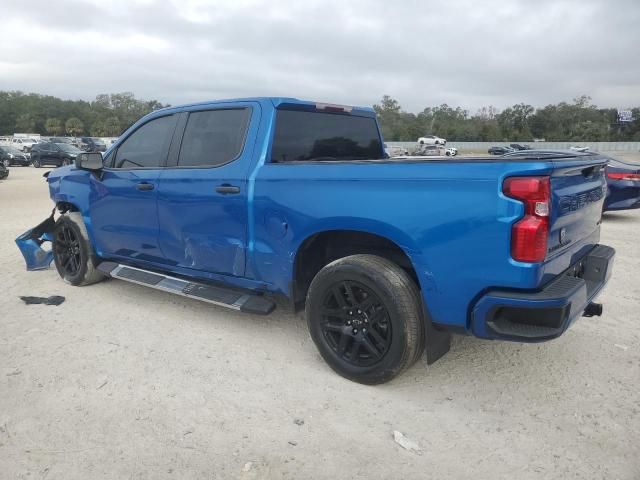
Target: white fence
{"x":478,"y":147}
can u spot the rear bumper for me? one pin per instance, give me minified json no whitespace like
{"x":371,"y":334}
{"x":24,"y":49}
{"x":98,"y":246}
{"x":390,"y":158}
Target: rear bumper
{"x":545,"y":314}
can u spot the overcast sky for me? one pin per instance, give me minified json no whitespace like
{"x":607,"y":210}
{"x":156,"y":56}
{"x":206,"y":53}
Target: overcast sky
{"x":467,"y":53}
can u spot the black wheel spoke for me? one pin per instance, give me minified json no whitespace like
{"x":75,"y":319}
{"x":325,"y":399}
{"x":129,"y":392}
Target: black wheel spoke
{"x":366,"y":343}
{"x":339,"y":296}
{"x":334,"y":312}
{"x":342,"y":344}
{"x":376,"y":336}
{"x":351,"y":298}
{"x":332,"y":327}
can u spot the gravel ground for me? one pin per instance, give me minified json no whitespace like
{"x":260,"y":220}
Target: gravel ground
{"x":125,"y":382}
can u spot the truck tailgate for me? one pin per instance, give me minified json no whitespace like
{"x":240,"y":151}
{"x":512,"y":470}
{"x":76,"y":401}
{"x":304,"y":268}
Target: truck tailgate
{"x":578,"y":189}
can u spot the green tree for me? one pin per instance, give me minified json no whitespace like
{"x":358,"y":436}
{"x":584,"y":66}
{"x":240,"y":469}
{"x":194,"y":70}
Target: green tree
{"x":74,"y":126}
{"x":25,"y":123}
{"x":53,"y":126}
{"x":112,"y":127}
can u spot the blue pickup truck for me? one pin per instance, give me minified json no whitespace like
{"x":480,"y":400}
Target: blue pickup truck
{"x":244,"y":202}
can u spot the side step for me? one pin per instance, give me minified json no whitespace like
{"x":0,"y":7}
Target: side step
{"x":244,"y":302}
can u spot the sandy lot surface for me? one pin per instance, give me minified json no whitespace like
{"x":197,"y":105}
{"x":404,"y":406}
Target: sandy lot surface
{"x":125,"y":382}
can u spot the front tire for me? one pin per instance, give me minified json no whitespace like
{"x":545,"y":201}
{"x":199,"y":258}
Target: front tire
{"x":365,"y":317}
{"x":73,"y":253}
{"x":36,"y":163}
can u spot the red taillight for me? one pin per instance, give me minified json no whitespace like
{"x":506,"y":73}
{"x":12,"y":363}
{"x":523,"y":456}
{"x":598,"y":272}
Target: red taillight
{"x":529,"y":235}
{"x":635,"y":177}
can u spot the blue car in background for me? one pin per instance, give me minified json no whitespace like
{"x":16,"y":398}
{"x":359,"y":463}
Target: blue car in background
{"x":623,"y":182}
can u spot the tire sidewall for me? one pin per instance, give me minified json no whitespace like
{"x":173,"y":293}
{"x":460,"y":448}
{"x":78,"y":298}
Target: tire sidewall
{"x":85,"y":252}
{"x":36,"y":163}
{"x":388,"y":365}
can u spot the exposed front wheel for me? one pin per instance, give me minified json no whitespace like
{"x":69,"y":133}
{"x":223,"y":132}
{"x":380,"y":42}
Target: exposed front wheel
{"x":73,"y":254}
{"x":364,"y":315}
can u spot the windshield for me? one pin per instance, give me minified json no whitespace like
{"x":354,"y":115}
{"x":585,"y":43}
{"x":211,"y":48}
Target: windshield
{"x":65,"y":147}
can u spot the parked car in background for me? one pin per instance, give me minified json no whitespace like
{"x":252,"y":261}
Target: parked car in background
{"x":579,"y":149}
{"x":4,"y":171}
{"x":518,"y":146}
{"x":431,"y":140}
{"x":10,"y":155}
{"x":623,"y":185}
{"x":93,"y":144}
{"x":429,"y":151}
{"x":68,"y":140}
{"x":5,"y":140}
{"x":57,"y":154}
{"x":395,"y":151}
{"x":451,"y":152}
{"x":23,"y":144}
{"x":500,"y":150}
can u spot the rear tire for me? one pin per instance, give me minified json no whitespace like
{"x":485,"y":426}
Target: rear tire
{"x":73,"y":253}
{"x":364,"y":314}
{"x":36,"y":163}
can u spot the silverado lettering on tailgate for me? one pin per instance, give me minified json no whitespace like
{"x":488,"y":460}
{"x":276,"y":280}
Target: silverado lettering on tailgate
{"x":571,"y":203}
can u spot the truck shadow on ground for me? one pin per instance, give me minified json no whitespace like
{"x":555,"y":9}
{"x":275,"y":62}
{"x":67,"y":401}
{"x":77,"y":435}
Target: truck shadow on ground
{"x":619,"y":217}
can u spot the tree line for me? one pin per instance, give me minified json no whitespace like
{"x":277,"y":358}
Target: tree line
{"x":109,"y":114}
{"x":579,"y":120}
{"x":106,"y":116}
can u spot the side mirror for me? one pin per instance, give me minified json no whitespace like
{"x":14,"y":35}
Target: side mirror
{"x":89,"y":161}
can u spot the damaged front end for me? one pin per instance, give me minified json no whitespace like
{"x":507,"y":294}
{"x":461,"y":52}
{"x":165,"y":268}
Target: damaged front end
{"x":30,"y":244}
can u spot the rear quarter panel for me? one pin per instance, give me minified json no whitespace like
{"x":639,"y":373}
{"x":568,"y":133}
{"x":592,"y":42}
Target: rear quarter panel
{"x":450,"y":218}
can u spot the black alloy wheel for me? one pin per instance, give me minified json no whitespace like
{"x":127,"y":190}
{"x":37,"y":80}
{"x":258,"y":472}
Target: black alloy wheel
{"x":356,"y":324}
{"x":67,"y":250}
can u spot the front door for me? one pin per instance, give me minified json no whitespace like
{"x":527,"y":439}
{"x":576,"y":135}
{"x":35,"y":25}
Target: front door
{"x":123,"y":203}
{"x":202,"y":195}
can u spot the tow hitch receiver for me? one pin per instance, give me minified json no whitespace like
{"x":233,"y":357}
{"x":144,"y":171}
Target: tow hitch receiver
{"x":593,"y":309}
{"x":30,"y":244}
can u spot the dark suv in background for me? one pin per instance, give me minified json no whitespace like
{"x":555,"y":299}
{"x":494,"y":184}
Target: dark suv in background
{"x":93,"y":144}
{"x":56,"y":154}
{"x":10,"y":155}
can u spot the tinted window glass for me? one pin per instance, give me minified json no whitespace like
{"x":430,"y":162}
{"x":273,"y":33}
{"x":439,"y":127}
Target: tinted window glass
{"x":214,"y":137}
{"x":148,"y":145}
{"x":325,"y":136}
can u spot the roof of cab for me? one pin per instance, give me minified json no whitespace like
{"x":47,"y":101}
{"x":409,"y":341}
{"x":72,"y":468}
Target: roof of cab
{"x":275,"y":101}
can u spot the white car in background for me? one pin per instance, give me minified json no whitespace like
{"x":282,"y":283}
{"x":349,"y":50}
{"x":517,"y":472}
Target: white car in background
{"x":431,"y":140}
{"x":395,"y":151}
{"x":23,"y":144}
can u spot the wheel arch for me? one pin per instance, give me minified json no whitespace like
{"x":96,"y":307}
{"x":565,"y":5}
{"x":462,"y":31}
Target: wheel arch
{"x":322,"y":246}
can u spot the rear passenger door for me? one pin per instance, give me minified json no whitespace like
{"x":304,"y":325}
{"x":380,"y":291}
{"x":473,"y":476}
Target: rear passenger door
{"x":202,"y":195}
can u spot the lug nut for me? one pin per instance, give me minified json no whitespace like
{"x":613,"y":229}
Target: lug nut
{"x":355,"y":330}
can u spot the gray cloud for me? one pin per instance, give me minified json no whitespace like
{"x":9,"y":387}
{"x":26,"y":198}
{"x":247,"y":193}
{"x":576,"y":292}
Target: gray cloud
{"x":465,"y":53}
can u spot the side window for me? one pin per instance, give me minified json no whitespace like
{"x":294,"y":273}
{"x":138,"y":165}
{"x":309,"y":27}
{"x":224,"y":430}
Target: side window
{"x":213,"y":137}
{"x":148,"y":145}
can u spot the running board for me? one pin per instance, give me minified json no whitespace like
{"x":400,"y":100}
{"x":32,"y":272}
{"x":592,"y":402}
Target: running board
{"x":241,"y":301}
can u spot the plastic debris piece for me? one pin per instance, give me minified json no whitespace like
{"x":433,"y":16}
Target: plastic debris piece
{"x":405,"y":443}
{"x":52,"y":300}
